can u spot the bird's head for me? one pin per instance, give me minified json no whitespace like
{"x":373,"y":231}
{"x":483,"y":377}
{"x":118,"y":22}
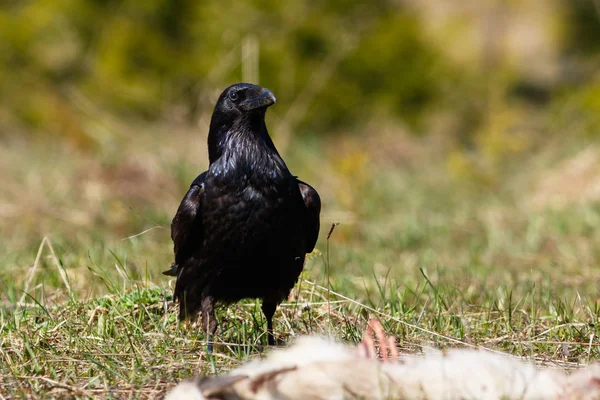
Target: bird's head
{"x":243,"y":99}
{"x":240,"y":109}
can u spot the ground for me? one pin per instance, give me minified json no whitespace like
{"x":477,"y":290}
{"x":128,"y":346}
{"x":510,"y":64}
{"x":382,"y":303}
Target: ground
{"x":443,"y":258}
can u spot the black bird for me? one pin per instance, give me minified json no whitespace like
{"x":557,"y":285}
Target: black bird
{"x":245,"y":225}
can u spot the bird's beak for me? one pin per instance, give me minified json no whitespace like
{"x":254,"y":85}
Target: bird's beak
{"x":263,"y":98}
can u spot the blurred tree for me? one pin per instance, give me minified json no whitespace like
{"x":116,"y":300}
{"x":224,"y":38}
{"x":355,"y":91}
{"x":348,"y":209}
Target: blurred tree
{"x":583,"y":34}
{"x":333,"y":65}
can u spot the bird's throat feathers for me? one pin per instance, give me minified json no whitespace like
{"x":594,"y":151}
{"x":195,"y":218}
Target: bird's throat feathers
{"x":244,"y":147}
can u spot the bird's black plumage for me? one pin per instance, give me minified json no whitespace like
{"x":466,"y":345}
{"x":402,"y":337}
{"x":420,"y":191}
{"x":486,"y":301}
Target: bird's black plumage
{"x":245,"y":225}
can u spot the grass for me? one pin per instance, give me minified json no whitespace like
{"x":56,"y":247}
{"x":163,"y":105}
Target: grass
{"x":441,"y":260}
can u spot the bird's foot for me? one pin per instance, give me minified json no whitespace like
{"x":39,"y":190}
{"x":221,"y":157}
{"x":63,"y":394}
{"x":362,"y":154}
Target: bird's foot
{"x":276,"y":343}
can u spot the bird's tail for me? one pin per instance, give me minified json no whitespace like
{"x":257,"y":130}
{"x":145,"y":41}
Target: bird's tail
{"x":172,"y":271}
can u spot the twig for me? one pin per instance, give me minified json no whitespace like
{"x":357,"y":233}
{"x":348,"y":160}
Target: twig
{"x":36,"y":263}
{"x":61,"y":269}
{"x":32,"y":270}
{"x":449,"y":338}
{"x":558,"y":327}
{"x":141,"y":233}
{"x":590,"y":347}
{"x":301,"y":104}
{"x":56,"y":384}
{"x":327,"y":273}
{"x":250,"y":56}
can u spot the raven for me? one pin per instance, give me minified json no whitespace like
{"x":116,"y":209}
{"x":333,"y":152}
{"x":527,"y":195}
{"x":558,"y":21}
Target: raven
{"x":245,"y":225}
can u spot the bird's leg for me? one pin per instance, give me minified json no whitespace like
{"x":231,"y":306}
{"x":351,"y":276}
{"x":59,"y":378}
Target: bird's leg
{"x":268,"y":308}
{"x":209,"y":322}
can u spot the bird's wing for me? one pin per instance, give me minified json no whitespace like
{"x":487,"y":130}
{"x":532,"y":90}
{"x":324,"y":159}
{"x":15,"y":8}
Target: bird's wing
{"x":186,"y":227}
{"x":312,"y":202}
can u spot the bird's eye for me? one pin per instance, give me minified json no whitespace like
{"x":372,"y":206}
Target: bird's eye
{"x":233,"y":96}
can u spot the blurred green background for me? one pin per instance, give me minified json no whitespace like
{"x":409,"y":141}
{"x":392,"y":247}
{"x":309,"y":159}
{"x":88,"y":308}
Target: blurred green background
{"x":335,"y":67}
{"x":456,"y":136}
